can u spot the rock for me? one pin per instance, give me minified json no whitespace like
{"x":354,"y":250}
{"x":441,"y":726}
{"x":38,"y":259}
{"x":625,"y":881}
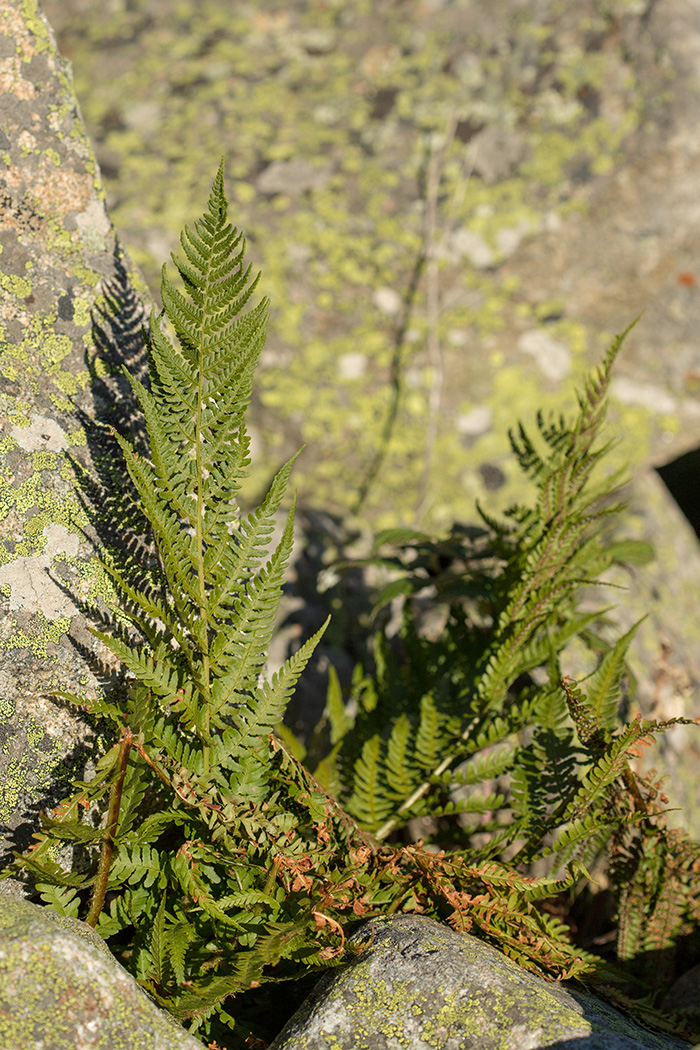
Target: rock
{"x":664,"y":655}
{"x":71,"y":309}
{"x":420,"y":985}
{"x":570,"y":187}
{"x":60,"y":989}
{"x":569,"y":205}
{"x":684,"y":995}
{"x":291,"y":176}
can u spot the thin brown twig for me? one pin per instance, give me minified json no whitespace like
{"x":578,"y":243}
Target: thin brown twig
{"x":433,"y":299}
{"x":115,"y":798}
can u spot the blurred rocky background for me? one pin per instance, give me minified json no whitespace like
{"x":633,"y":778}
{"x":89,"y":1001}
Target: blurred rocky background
{"x":455,"y":205}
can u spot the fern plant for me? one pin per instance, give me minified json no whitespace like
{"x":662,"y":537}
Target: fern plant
{"x":476,"y":739}
{"x":212,"y":860}
{"x":188,"y":778}
{"x":511,"y":591}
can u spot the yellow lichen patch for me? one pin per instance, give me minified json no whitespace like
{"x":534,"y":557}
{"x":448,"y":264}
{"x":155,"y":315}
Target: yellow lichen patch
{"x":82,"y":308}
{"x":361,"y":226}
{"x":77,"y":437}
{"x":43,"y":460}
{"x":12,"y":785}
{"x":15,"y":285}
{"x":61,"y":404}
{"x":37,"y":639}
{"x":67,"y":382}
{"x":35,"y":733}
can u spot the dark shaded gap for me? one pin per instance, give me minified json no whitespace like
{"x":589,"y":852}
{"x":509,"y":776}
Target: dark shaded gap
{"x":682,"y":479}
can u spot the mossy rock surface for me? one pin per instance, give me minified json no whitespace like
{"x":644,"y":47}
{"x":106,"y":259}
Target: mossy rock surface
{"x":71,"y":313}
{"x":60,"y":989}
{"x":420,"y":985}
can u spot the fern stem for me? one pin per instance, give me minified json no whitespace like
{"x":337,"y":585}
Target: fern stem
{"x":422,"y":788}
{"x":387,"y":828}
{"x":157,"y":769}
{"x":200,"y":557}
{"x":115,"y":798}
{"x":438,"y":155}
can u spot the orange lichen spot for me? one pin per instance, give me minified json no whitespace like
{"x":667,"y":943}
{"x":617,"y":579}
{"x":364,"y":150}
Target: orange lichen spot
{"x":687,"y":279}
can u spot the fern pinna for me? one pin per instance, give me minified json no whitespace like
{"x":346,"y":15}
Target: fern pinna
{"x":204,"y":852}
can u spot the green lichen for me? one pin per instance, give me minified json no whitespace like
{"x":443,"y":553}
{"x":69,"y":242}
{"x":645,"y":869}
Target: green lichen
{"x":82,"y":311}
{"x":14,"y":782}
{"x":42,"y":767}
{"x":67,"y":382}
{"x":77,"y":438}
{"x":30,"y":932}
{"x":43,"y":460}
{"x":361,"y":1008}
{"x":35,"y":733}
{"x":18,"y":418}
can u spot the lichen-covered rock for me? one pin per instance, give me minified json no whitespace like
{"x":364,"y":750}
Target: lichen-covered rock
{"x":60,"y":989}
{"x":69,"y":316}
{"x":545,"y":154}
{"x":419,"y":985}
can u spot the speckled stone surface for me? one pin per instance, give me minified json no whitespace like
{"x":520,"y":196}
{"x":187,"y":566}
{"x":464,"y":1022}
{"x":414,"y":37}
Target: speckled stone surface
{"x":69,"y":315}
{"x":60,"y":989}
{"x":422,"y":986}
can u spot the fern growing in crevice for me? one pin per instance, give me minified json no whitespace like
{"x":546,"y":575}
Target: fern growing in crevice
{"x":512,"y":610}
{"x":217,"y":861}
{"x":477,"y":741}
{"x":189,"y":776}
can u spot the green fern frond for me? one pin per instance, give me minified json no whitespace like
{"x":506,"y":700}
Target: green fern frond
{"x":156,"y":947}
{"x":485,"y":765}
{"x":180,"y":937}
{"x":474,"y":805}
{"x":247,"y":970}
{"x":142,"y":865}
{"x":240,"y":657}
{"x":429,"y":741}
{"x":537,"y":652}
{"x":47,"y":872}
{"x":62,"y":899}
{"x":603,"y":689}
{"x":398,"y":773}
{"x":154,"y":674}
{"x":220,"y":862}
{"x":265,"y":712}
{"x":368,"y":802}
{"x":339,"y":720}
